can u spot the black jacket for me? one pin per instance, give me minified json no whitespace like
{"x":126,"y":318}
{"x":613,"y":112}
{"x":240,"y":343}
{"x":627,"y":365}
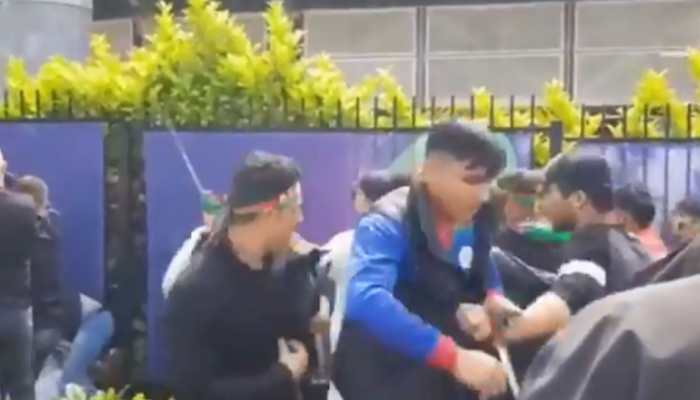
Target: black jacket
{"x":642,"y":344}
{"x":546,"y":256}
{"x":223,"y":321}
{"x":618,"y":256}
{"x":46,"y":277}
{"x":17,"y":237}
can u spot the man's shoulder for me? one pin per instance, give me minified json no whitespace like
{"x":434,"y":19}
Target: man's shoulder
{"x":16,"y":202}
{"x":393,"y":205}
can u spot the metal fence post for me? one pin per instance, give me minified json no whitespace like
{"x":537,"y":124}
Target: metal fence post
{"x":556,"y":138}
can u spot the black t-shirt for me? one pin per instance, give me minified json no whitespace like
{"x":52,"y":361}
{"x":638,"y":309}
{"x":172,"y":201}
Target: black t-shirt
{"x":17,"y":237}
{"x":599,"y":260}
{"x":223,"y":321}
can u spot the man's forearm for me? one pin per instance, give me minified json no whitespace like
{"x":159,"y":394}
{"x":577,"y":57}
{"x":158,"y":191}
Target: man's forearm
{"x":543,"y":318}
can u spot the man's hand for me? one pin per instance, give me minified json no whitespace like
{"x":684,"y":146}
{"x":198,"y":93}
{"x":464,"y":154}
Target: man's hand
{"x":501,"y":311}
{"x":293,"y":355}
{"x":480,"y":372}
{"x":321,"y":322}
{"x":474,"y":320}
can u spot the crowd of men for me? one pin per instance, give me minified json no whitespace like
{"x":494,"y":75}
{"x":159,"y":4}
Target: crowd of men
{"x":458,"y":282}
{"x":50,"y":334}
{"x":447,"y":273}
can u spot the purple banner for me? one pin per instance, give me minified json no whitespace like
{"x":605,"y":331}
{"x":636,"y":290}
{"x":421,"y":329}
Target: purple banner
{"x":330,"y":163}
{"x":69,"y":157}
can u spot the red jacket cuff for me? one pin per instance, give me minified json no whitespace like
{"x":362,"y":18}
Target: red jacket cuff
{"x":444,"y":355}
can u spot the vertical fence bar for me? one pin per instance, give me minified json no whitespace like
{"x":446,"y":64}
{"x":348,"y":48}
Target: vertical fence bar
{"x":689,"y":120}
{"x":413,"y":111}
{"x":37,"y":103}
{"x":357,"y":112}
{"x":667,"y":127}
{"x":395,"y":121}
{"x":556,"y":138}
{"x":339,"y":113}
{"x":452,"y":107}
{"x":22,"y":110}
{"x":70,"y":104}
{"x":646,"y":121}
{"x":667,"y":134}
{"x":512,"y":111}
{"x":625,"y":111}
{"x":251,"y":111}
{"x":533,"y":104}
{"x":376,"y":112}
{"x":303,"y":111}
{"x":432,"y":110}
{"x":6,"y":102}
{"x":53,"y":103}
{"x":321,"y":113}
{"x":285,"y":107}
{"x":688,"y":150}
{"x":492,"y":111}
{"x":472,"y":107}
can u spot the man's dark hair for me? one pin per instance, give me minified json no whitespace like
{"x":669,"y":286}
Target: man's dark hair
{"x":589,"y":174}
{"x":262,"y":177}
{"x":467,"y":143}
{"x":636,"y":200}
{"x":689,"y":206}
{"x":376,"y":184}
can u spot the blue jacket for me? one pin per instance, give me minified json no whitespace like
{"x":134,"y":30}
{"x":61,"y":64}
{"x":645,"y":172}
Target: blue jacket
{"x":381,"y":258}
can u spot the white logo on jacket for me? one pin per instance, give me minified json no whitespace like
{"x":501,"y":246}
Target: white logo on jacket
{"x":465,"y":257}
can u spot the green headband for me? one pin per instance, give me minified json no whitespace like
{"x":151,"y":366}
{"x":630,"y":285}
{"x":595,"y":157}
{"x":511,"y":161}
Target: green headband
{"x":211,"y":203}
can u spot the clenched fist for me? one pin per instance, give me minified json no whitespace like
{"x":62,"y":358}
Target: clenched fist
{"x":293,"y":355}
{"x":480,"y":372}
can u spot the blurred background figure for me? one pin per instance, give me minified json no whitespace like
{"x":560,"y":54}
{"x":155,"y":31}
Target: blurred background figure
{"x":212,"y":205}
{"x":17,"y":238}
{"x":526,"y":234}
{"x":371,"y":187}
{"x":685,"y":220}
{"x":635,"y":211}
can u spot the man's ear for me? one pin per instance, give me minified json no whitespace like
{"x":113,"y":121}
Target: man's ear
{"x":578,"y":199}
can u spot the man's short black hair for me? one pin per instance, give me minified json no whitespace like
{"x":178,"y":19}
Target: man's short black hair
{"x":262,"y":177}
{"x":635,"y":200}
{"x":375,"y":184}
{"x":589,"y":174}
{"x":689,"y":206}
{"x":467,"y":143}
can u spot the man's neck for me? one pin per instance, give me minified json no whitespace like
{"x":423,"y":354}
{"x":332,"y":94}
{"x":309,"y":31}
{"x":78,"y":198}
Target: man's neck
{"x":248,"y":245}
{"x":591,"y":217}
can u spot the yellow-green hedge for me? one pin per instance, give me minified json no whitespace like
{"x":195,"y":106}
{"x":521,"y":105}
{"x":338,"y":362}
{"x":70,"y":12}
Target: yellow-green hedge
{"x":206,"y":72}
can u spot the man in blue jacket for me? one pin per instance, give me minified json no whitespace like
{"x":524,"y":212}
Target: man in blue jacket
{"x":418,"y":255}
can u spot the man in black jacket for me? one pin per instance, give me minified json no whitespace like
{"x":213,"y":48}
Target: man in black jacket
{"x":47,"y":310}
{"x":238,"y":318}
{"x":600,"y":259}
{"x":17,"y":236}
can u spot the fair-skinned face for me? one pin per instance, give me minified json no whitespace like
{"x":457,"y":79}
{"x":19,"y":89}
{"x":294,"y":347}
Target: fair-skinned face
{"x":684,"y":227}
{"x":456,"y":190}
{"x":280,"y":224}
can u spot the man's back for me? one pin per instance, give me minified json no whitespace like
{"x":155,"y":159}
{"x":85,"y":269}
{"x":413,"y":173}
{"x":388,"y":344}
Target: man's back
{"x":17,"y":235}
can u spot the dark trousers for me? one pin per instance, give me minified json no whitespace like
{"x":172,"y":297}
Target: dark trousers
{"x":16,"y":375}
